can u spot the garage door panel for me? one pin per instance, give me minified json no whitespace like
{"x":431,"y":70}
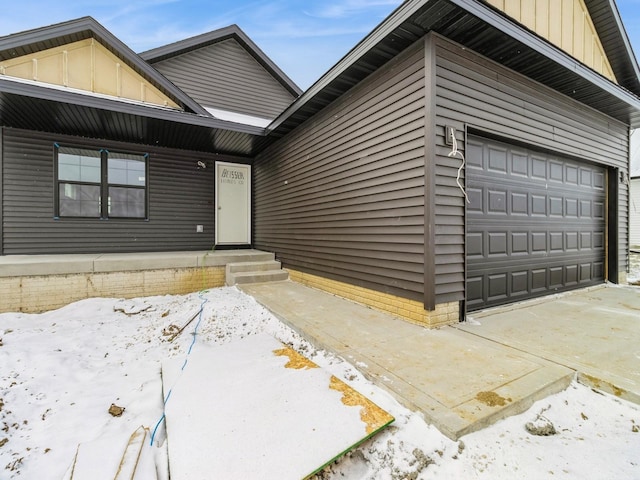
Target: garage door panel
{"x":499,"y":287}
{"x":500,"y":199}
{"x":512,"y":244}
{"x":535,"y":224}
{"x":493,"y":265}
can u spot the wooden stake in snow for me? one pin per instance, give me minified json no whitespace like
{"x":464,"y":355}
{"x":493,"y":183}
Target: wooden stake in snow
{"x":173,"y":331}
{"x":131,"y":455}
{"x":102,"y":459}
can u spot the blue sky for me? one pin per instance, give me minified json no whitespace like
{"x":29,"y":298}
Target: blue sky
{"x":303,"y":37}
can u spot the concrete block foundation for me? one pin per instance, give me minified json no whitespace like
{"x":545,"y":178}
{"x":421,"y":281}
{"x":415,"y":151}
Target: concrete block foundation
{"x":37,"y":283}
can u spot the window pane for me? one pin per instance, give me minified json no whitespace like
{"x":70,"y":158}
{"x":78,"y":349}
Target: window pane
{"x":127,"y":169}
{"x":79,"y":200}
{"x":126,"y":202}
{"x":78,"y":165}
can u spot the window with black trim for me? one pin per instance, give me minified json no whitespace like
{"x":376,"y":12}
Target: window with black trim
{"x":92,"y":183}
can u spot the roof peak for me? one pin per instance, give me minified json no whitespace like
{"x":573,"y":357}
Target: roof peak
{"x":203,"y":40}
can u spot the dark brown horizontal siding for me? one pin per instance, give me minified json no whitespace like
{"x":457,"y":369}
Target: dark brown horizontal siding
{"x":180,"y":196}
{"x":476,"y":93}
{"x":225,"y":76}
{"x":342,"y":196}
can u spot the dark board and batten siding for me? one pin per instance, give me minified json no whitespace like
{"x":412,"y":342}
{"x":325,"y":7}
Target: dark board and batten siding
{"x":475,"y":93}
{"x":225,"y":76}
{"x":181,"y":196}
{"x":342,"y":196}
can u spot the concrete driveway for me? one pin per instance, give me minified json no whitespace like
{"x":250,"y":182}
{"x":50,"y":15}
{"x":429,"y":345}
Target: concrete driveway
{"x":465,"y":377}
{"x":595,"y":331}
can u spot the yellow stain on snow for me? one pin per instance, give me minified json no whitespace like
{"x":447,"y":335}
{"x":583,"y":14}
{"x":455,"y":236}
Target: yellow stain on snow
{"x":296,"y":360}
{"x":370,"y":413}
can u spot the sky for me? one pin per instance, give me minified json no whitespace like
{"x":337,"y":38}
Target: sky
{"x":305,"y":38}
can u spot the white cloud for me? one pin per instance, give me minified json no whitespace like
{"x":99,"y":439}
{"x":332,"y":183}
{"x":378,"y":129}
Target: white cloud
{"x":347,"y":8}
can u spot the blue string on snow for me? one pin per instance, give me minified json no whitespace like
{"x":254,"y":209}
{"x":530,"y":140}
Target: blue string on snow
{"x":186,"y":360}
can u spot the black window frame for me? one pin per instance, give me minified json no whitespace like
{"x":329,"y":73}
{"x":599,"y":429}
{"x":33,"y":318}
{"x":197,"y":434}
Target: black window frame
{"x":104,"y":184}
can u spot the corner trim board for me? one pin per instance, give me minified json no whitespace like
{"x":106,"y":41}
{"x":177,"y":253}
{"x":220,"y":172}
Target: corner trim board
{"x":429,"y":172}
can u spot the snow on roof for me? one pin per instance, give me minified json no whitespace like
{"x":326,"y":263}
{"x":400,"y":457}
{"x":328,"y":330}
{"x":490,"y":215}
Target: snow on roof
{"x":239,"y":117}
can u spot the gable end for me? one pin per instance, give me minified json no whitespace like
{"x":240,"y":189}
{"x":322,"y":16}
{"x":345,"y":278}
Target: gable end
{"x":225,"y":76}
{"x":85,"y":65}
{"x":566,"y":24}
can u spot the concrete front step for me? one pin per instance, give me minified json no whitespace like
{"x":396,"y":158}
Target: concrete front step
{"x":253,"y":266}
{"x":257,"y":277}
{"x":255,"y":270}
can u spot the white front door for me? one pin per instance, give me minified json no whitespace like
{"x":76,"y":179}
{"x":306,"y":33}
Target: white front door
{"x":233,"y":204}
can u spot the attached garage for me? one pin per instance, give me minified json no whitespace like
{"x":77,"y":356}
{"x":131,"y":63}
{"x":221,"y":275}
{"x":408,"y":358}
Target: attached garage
{"x":535,"y":224}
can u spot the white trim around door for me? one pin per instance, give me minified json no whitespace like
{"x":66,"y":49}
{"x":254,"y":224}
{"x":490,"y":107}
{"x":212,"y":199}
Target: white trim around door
{"x":233,"y":203}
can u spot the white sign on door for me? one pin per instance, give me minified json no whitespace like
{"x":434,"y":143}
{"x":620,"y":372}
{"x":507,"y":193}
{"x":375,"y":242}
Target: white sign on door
{"x":233,"y":204}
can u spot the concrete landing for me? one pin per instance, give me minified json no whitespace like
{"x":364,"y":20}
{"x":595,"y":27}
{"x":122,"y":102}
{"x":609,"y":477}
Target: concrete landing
{"x":66,"y":264}
{"x":594,"y":331}
{"x":38,"y":283}
{"x":460,"y":382}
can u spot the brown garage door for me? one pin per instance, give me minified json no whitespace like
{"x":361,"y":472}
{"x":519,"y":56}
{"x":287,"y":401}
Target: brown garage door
{"x":535,"y":224}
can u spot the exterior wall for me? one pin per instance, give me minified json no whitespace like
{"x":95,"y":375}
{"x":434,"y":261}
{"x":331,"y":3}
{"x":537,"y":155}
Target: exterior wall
{"x":634,"y":214}
{"x":38,"y":293}
{"x":225,"y":76}
{"x":181,"y":196}
{"x":323,"y":193}
{"x":342,"y":196}
{"x":477,"y":94}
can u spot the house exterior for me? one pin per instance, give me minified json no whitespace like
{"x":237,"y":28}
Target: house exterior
{"x":463,"y":155}
{"x":634,"y":213}
{"x":634,"y":192}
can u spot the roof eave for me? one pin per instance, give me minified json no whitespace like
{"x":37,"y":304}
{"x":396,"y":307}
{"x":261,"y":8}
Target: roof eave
{"x":486,"y":14}
{"x":511,"y":28}
{"x":615,"y":42}
{"x":99,"y":32}
{"x":150,"y":111}
{"x":394,"y":20}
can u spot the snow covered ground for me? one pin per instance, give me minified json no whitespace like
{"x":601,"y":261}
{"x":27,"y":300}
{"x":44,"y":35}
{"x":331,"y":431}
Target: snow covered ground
{"x":60,"y":372}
